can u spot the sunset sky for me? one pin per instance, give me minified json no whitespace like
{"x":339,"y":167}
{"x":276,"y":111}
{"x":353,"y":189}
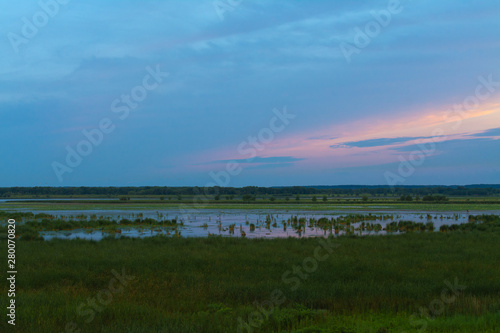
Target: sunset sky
{"x":237,"y":93}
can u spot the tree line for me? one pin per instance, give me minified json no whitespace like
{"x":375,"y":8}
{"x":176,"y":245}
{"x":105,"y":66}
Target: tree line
{"x":291,"y":191}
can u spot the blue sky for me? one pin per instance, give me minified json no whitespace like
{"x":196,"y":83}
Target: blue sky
{"x":247,"y":92}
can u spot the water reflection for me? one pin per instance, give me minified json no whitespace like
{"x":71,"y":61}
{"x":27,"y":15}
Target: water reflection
{"x":253,"y":223}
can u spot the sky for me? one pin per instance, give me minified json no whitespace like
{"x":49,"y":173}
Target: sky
{"x":249,"y":92}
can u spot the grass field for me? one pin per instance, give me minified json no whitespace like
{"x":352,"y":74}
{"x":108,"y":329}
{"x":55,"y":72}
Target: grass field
{"x":460,"y":205}
{"x":348,"y":284}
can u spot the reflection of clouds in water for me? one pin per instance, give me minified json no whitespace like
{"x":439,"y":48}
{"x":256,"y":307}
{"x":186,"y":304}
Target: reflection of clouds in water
{"x":207,"y":222}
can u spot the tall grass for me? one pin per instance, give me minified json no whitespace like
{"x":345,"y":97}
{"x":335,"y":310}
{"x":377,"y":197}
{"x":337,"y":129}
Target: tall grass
{"x":206,"y":284}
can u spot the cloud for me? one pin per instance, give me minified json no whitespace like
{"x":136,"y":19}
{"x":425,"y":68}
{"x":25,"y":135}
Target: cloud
{"x":452,"y":145}
{"x":379,"y":142}
{"x":490,"y":132}
{"x":227,"y":76}
{"x":270,"y":166}
{"x":322,"y":137}
{"x":260,"y":160}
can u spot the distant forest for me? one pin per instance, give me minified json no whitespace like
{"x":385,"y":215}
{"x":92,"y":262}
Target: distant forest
{"x":344,"y":190}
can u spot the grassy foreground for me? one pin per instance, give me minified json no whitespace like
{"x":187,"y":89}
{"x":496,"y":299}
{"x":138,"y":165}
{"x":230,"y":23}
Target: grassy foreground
{"x":350,"y":284}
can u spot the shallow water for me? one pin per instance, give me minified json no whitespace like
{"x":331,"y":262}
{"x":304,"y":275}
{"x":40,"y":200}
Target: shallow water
{"x":59,"y":199}
{"x":212,"y":222}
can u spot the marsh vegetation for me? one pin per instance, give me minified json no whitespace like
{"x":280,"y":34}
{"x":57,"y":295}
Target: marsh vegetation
{"x":367,"y":284}
{"x":386,"y":272}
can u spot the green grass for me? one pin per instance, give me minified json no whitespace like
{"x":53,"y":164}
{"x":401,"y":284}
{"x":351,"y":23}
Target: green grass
{"x":368,"y":284}
{"x":188,"y":205}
